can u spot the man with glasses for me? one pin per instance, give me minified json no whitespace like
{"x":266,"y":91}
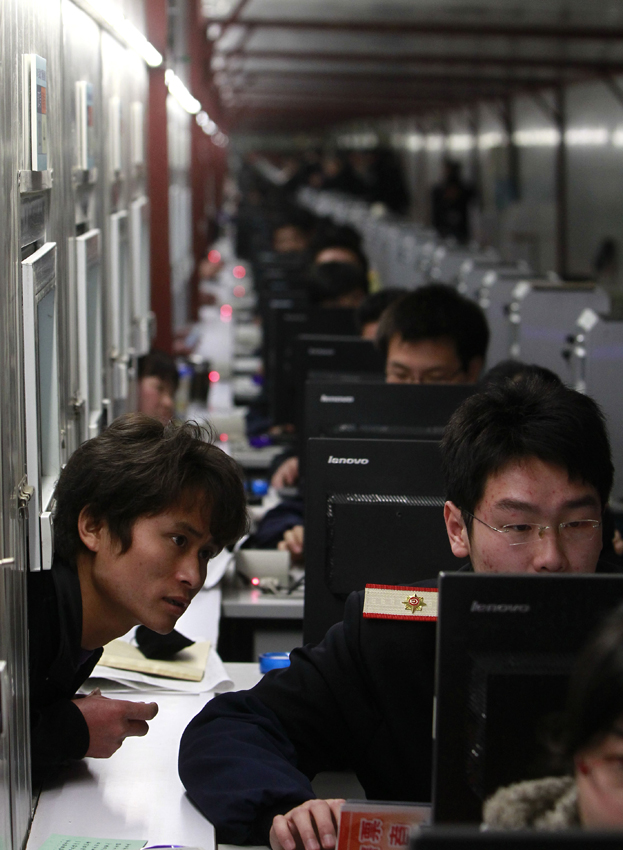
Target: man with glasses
{"x":433,"y":336}
{"x":528,"y":474}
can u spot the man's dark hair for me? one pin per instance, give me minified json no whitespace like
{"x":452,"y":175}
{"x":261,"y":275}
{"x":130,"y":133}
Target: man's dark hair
{"x":521,"y":419}
{"x":140,"y":467}
{"x":331,"y":281}
{"x":158,"y":364}
{"x":374,"y":305}
{"x":595,"y":700}
{"x":514,"y":370}
{"x":436,"y":311}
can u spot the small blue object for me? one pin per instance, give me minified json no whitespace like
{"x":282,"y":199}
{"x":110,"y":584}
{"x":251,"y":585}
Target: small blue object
{"x":272,"y":660}
{"x":259,"y":487}
{"x":261,"y":441}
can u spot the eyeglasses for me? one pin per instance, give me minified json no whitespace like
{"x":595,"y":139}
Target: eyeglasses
{"x":576,"y":531}
{"x":429,"y":376}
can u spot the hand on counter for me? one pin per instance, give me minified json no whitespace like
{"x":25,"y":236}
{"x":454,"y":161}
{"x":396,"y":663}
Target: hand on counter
{"x":310,"y":826}
{"x":111,"y":721}
{"x":287,"y":474}
{"x":293,"y":542}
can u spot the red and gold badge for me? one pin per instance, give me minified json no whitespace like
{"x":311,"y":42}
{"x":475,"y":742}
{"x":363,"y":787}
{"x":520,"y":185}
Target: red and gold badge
{"x":414,"y":603}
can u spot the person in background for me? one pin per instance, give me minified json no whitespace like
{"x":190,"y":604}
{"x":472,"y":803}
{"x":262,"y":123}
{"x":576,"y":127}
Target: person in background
{"x":139,"y":511}
{"x":338,"y":245}
{"x":368,"y":314}
{"x":332,"y":285}
{"x":430,"y":336}
{"x":433,"y":336}
{"x":157,"y":384}
{"x":293,"y":233}
{"x":591,"y":793}
{"x":450,"y":203}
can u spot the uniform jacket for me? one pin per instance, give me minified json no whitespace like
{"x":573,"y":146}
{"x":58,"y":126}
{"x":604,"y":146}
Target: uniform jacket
{"x":56,"y":669}
{"x":360,"y":700}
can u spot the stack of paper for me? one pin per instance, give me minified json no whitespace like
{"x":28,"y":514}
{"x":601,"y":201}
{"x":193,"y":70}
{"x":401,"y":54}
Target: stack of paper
{"x":194,"y":670}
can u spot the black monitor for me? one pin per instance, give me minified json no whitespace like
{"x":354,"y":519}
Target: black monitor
{"x":373,"y":514}
{"x":282,"y":329}
{"x":506,"y":645}
{"x":464,"y":838}
{"x":320,"y":357}
{"x":369,"y":409}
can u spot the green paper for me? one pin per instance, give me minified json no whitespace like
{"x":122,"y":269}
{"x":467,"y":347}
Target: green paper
{"x":80,"y":842}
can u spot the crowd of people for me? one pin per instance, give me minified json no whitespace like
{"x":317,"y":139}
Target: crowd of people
{"x":141,"y":509}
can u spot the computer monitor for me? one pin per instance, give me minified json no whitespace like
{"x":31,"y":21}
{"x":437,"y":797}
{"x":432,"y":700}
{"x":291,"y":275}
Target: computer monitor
{"x":464,"y":838}
{"x":320,"y":357}
{"x":282,"y":329}
{"x":368,"y":409}
{"x":506,"y":645}
{"x":373,"y":514}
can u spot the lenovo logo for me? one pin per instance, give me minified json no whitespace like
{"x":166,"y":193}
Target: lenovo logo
{"x":362,"y":460}
{"x":337,"y":399}
{"x":498,"y":608}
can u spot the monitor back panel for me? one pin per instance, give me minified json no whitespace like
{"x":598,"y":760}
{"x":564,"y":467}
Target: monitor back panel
{"x":283,"y":328}
{"x":371,"y":410}
{"x":505,"y":648}
{"x":374,"y":514}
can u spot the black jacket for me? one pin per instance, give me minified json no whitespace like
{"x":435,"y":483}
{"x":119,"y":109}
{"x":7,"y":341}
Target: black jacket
{"x":56,"y":670}
{"x":360,"y":700}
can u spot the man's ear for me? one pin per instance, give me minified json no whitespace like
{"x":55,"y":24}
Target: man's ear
{"x":457,"y":532}
{"x":474,"y":369}
{"x":90,"y":529}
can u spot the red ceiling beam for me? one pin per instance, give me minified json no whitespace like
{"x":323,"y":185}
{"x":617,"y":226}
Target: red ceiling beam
{"x":401,"y":79}
{"x":583,"y":33}
{"x":411,"y":59}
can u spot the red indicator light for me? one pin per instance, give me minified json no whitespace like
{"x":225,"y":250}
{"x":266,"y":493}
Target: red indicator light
{"x":226,"y":310}
{"x":214,"y":256}
{"x":255,"y":581}
{"x":239,"y":272}
{"x":239,"y":290}
{"x":214,"y":376}
{"x":223,"y":438}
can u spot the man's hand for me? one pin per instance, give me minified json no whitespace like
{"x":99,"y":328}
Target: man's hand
{"x":110,"y":721}
{"x":286,"y":474}
{"x":293,"y":541}
{"x":310,"y":826}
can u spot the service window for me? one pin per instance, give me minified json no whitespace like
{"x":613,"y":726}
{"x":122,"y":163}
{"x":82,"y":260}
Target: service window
{"x":41,"y":397}
{"x":89,"y":298}
{"x":120,"y":301}
{"x":141,"y":296}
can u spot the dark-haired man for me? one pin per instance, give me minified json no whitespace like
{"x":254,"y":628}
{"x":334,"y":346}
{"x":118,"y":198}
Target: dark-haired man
{"x":433,"y":336}
{"x":528,"y":474}
{"x":140,"y":510}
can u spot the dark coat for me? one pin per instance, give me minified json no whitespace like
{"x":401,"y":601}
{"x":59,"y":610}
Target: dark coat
{"x":56,"y":667}
{"x":360,"y":700}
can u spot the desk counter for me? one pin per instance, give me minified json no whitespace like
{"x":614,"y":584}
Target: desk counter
{"x":137,"y":793}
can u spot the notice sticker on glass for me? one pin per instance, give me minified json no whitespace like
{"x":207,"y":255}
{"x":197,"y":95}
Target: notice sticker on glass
{"x":37,"y":77}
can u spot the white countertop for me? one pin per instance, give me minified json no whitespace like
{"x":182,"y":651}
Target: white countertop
{"x":135,"y":794}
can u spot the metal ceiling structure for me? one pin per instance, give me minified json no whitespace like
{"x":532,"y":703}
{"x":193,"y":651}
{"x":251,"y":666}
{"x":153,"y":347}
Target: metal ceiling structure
{"x":288,"y":65}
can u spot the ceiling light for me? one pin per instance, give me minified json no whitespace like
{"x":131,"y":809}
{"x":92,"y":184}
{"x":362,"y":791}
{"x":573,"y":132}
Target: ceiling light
{"x":178,"y":90}
{"x":105,"y":13}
